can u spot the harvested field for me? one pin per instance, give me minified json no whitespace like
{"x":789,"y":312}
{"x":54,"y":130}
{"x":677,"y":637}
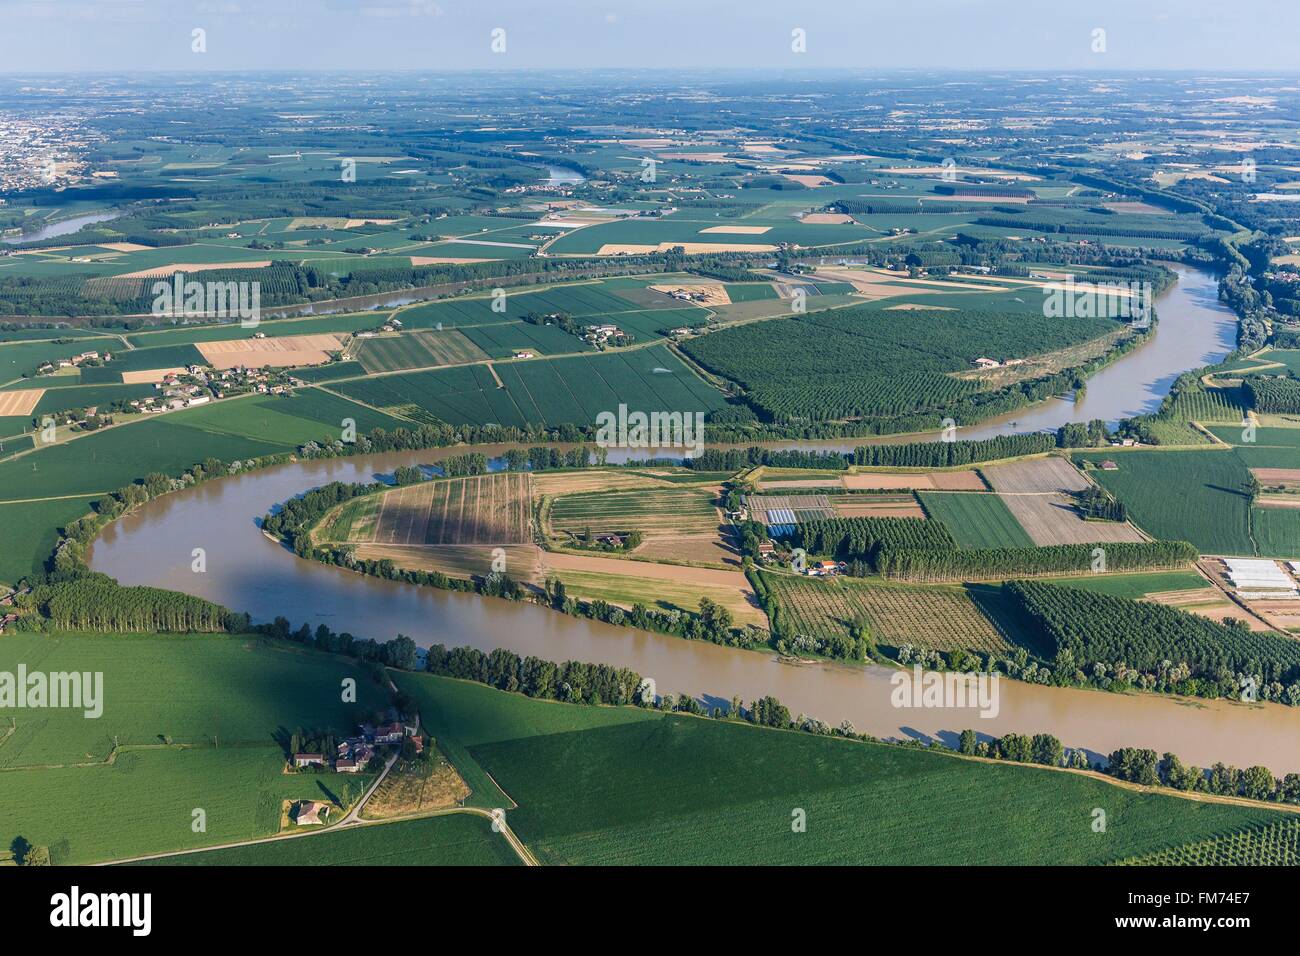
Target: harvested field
{"x":811,"y":180}
{"x":123,"y":246}
{"x":738,"y":230}
{"x":1052,"y":519}
{"x":1278,"y":501}
{"x":188,"y":267}
{"x":826,"y":218}
{"x":459,"y":560}
{"x":1036,"y":492}
{"x":553,"y":483}
{"x":1211,"y":603}
{"x":281,"y":352}
{"x":794,"y":483}
{"x":917,"y":307}
{"x":626,"y":582}
{"x":691,"y":248}
{"x":1038,"y":476}
{"x":876,"y":506}
{"x":714,"y":548}
{"x":415,"y":786}
{"x":20,"y":402}
{"x":1276,"y":475}
{"x":922,"y":481}
{"x":149,"y":375}
{"x":486,"y":509}
{"x":937,"y":618}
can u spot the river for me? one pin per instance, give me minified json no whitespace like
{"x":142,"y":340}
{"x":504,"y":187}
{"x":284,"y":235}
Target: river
{"x":249,"y":572}
{"x":64,"y":227}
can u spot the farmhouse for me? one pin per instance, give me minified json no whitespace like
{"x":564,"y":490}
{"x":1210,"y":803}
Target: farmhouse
{"x":310,"y":812}
{"x":309,"y":760}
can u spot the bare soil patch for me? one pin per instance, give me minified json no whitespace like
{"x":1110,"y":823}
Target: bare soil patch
{"x":1052,"y":519}
{"x":20,"y":402}
{"x":282,"y":352}
{"x":149,"y":375}
{"x":188,"y":267}
{"x":1041,"y":475}
{"x":921,"y":481}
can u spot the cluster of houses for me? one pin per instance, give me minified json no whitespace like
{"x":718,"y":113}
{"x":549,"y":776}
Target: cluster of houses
{"x":603,"y":334}
{"x":768,"y":554}
{"x":198,"y":386}
{"x":355,"y":752}
{"x":7,"y":601}
{"x":986,"y":363}
{"x":75,"y":360}
{"x":392,"y":325}
{"x":690,"y":295}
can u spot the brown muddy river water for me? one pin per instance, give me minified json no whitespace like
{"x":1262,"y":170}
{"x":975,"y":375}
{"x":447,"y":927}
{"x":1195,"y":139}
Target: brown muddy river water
{"x":248,"y":572}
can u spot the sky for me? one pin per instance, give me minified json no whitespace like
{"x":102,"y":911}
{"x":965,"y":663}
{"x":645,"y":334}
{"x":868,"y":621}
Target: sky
{"x":129,"y":35}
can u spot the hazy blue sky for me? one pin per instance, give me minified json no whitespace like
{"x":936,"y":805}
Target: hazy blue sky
{"x":1209,"y":35}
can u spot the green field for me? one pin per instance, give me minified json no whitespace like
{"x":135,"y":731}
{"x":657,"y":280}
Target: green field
{"x":199,"y":720}
{"x":183,"y":334}
{"x":422,"y":349}
{"x":144,"y":801}
{"x":1196,"y":496}
{"x":679,"y":510}
{"x":550,"y":392}
{"x":1135,"y":586}
{"x":30,"y":532}
{"x":933,"y":617}
{"x":1273,"y":844}
{"x":975,"y":520}
{"x":874,"y":363}
{"x":451,"y":840}
{"x":623,"y":786}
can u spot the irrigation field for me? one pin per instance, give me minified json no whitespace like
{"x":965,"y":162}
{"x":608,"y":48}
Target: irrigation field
{"x":976,"y":520}
{"x":577,"y":300}
{"x":551,"y":392}
{"x":652,"y":511}
{"x":421,"y":349}
{"x":938,"y":618}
